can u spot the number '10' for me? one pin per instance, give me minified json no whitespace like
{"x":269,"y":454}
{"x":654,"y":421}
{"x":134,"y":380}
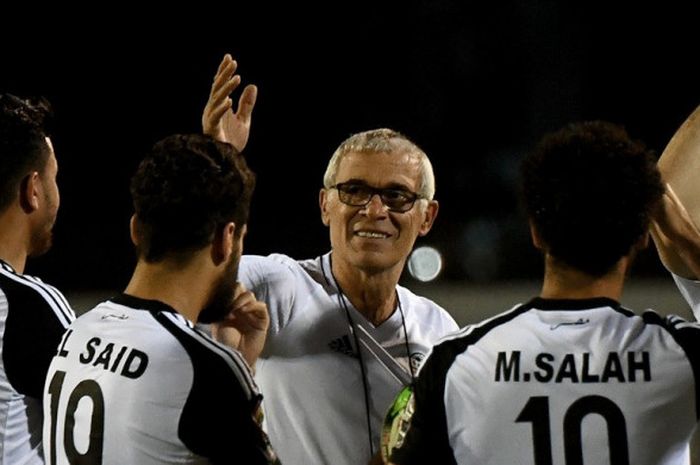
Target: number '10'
{"x":86,"y":388}
{"x":536,"y":411}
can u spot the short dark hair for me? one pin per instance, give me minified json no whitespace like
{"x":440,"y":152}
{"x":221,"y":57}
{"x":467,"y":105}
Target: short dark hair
{"x":184,"y":190}
{"x":23,"y":148}
{"x":590,"y":190}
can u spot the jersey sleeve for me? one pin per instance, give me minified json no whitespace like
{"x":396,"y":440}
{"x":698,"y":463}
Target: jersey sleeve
{"x":37,"y":318}
{"x":273,"y":282}
{"x":425,"y":440}
{"x":687,"y":335}
{"x":690,"y":290}
{"x":222,"y":417}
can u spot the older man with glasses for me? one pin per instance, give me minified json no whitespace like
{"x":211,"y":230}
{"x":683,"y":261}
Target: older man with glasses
{"x":344,"y":337}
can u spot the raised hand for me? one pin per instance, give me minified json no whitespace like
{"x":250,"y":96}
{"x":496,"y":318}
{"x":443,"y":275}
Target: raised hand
{"x":218,"y":119}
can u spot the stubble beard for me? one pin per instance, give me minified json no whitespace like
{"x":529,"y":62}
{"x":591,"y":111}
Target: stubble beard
{"x":222,"y":298}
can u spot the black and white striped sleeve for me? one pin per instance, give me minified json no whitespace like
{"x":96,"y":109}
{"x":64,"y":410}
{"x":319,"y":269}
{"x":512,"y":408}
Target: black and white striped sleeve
{"x":37,"y":317}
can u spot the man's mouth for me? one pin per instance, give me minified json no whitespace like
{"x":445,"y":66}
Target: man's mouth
{"x":372,"y":234}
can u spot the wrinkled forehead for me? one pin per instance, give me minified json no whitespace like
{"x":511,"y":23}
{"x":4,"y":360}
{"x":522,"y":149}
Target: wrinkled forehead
{"x":381,"y":169}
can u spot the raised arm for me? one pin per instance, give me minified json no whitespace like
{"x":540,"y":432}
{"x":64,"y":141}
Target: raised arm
{"x":218,"y":119}
{"x":676,"y":236}
{"x":673,"y":231}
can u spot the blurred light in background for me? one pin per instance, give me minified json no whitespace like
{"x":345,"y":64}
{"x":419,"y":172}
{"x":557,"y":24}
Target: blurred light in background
{"x":425,"y":263}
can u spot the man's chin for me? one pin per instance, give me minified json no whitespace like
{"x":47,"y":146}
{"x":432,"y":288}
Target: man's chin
{"x":372,"y":261}
{"x":40,"y":249}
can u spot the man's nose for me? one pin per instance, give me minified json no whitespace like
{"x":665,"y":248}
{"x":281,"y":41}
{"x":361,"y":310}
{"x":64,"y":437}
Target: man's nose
{"x":375,"y":206}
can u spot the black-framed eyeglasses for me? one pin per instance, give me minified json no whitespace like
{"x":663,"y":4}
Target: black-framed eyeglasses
{"x":358,"y":195}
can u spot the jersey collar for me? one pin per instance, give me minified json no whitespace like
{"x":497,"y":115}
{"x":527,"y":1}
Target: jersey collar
{"x":7,"y":266}
{"x":572,"y":304}
{"x":138,"y":303}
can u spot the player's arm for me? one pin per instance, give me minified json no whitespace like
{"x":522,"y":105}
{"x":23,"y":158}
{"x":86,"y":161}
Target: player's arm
{"x":272,"y":281}
{"x":676,"y":237}
{"x":222,"y":417}
{"x":218,"y":119}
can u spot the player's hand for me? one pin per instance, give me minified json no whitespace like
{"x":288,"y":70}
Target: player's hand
{"x":245,"y":326}
{"x":218,"y":118}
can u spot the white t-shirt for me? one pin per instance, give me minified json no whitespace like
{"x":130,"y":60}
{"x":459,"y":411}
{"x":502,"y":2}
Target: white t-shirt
{"x":134,"y":382}
{"x":559,"y":381}
{"x":309,"y":373}
{"x":33,"y":318}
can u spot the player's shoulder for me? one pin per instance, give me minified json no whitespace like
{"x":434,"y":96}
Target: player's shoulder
{"x":271,"y":267}
{"x":670,"y":323}
{"x":155,"y":326}
{"x":32,"y":293}
{"x":455,"y":343}
{"x":211,"y":359}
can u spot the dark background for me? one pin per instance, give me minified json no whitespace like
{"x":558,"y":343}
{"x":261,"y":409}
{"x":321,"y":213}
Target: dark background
{"x":474,"y":84}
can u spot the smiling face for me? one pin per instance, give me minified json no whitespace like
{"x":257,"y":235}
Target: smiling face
{"x":372,"y":238}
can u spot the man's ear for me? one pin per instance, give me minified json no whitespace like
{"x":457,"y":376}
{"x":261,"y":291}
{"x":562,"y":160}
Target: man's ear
{"x":224,"y":243}
{"x":238,"y":239}
{"x":133,"y":230}
{"x":535,"y":235}
{"x":29,"y":192}
{"x":323,"y":203}
{"x":429,"y":216}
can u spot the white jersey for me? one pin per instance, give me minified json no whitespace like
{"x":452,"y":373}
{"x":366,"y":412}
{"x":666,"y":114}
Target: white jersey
{"x":309,"y":371}
{"x":33,"y":317}
{"x":559,"y":381}
{"x":134,"y":382}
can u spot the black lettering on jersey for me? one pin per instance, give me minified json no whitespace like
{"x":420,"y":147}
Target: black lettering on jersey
{"x":508,"y":367}
{"x":134,"y":365}
{"x":62,"y":352}
{"x":634,"y":365}
{"x":613,"y":369}
{"x":118,"y":359}
{"x":90,"y":347}
{"x":586,"y":376}
{"x":567,"y":369}
{"x":104,"y":357}
{"x":544,"y":363}
{"x":577,"y":368}
{"x":141,"y":362}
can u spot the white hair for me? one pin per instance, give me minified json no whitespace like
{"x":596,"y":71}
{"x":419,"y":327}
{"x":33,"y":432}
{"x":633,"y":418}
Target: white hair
{"x":382,"y":141}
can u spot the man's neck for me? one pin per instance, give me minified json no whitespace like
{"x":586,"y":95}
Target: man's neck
{"x":13,"y":242}
{"x":184,"y":288}
{"x":372,"y":293}
{"x":564,"y":282}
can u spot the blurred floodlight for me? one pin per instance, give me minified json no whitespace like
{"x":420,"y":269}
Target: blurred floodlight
{"x":425,"y":263}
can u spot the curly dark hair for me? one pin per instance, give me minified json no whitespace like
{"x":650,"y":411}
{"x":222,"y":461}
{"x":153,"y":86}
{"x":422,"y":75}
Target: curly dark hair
{"x":590,"y":190}
{"x":185,"y":189}
{"x":23,"y":147}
